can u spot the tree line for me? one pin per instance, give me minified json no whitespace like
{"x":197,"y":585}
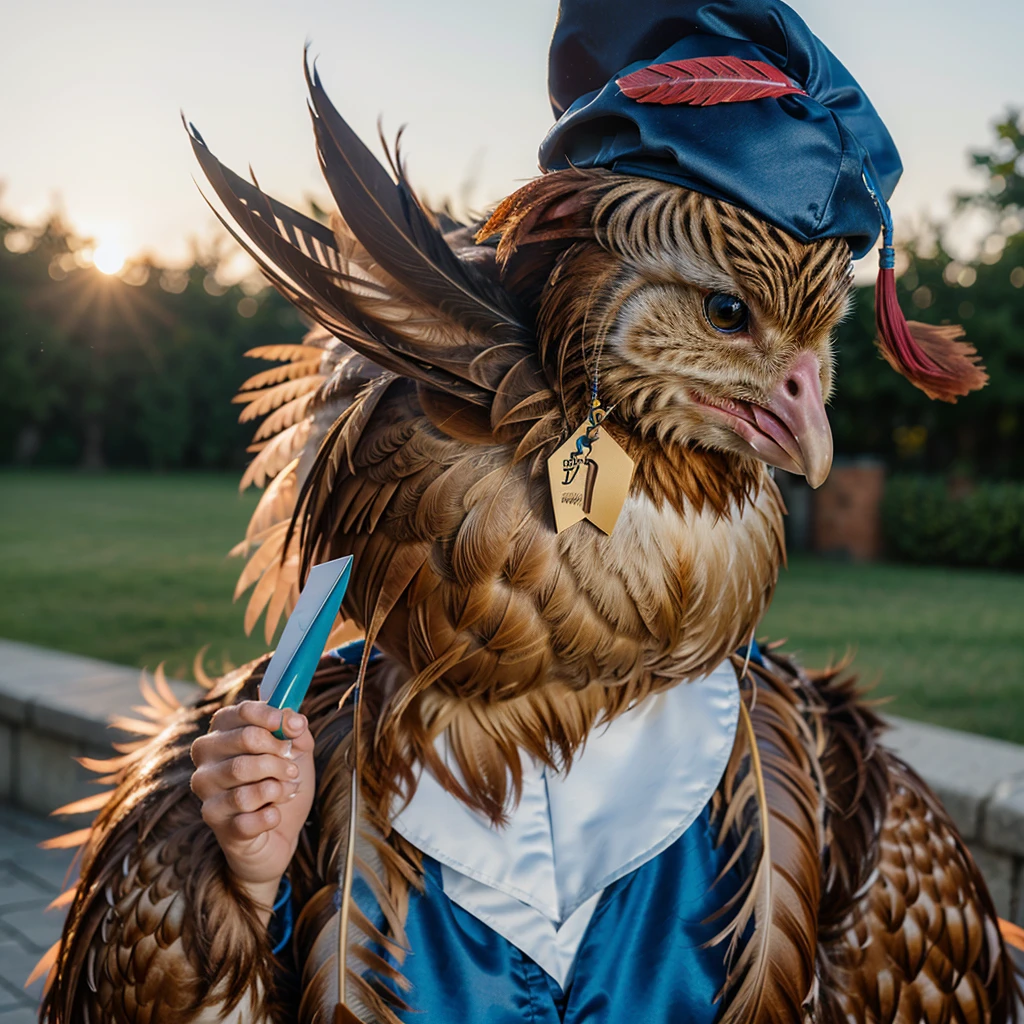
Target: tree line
{"x":131,"y":370}
{"x":876,"y":412}
{"x":138,"y":369}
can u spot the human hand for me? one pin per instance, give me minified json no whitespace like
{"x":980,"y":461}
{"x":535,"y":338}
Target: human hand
{"x":256,"y":790}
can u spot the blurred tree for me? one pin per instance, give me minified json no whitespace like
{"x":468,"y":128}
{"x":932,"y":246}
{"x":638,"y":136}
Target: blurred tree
{"x":130,"y":370}
{"x":37,"y":367}
{"x":877,"y":412}
{"x":139,"y":369}
{"x":1004,"y":163}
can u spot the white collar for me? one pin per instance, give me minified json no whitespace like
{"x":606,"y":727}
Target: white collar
{"x":638,"y":784}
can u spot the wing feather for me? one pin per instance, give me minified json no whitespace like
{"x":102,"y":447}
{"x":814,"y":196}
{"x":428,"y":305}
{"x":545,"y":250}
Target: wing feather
{"x":908,"y":930}
{"x":329,"y":297}
{"x":278,"y":374}
{"x":277,"y":453}
{"x":770,"y":809}
{"x":287,"y":416}
{"x":406,"y":317}
{"x":259,"y":403}
{"x":280,"y":353}
{"x":396,"y":230}
{"x":128,"y":948}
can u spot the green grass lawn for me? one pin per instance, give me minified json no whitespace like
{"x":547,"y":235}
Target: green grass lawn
{"x":129,"y":568}
{"x":944,"y":645}
{"x":132,"y":568}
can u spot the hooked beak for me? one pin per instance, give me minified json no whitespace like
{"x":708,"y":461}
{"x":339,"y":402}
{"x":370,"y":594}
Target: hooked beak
{"x":790,"y":430}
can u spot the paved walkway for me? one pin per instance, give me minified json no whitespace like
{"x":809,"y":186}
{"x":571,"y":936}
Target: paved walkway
{"x":29,"y":879}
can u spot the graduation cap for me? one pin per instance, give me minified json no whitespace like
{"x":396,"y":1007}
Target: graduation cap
{"x":739,"y":100}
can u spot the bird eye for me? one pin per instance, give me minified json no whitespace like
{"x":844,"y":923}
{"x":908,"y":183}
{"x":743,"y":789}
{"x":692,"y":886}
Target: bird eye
{"x":726,"y":313}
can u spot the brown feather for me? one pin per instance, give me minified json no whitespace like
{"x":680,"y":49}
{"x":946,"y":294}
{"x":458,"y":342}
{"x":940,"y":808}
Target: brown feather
{"x":137,"y":876}
{"x":279,"y":374}
{"x":771,"y":804}
{"x":905,"y":928}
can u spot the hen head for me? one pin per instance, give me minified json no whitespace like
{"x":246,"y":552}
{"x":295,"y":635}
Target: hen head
{"x":706,"y":326}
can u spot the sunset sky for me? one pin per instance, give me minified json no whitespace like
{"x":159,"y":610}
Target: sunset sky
{"x":90,"y":94}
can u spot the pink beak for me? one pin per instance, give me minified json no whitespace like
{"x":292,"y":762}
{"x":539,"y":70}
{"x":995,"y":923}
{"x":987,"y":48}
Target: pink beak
{"x":790,"y":430}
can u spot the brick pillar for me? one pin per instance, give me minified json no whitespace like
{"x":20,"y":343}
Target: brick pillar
{"x":848,"y":513}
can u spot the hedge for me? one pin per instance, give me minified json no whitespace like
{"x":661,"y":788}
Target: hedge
{"x":925,"y":521}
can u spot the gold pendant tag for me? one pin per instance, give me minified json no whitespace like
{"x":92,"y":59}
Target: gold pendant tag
{"x":589,"y":477}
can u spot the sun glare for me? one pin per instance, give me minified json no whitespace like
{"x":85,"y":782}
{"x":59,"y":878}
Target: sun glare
{"x":108,"y":258}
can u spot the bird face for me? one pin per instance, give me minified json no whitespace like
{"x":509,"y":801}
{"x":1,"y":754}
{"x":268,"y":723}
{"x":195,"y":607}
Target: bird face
{"x":718,"y":327}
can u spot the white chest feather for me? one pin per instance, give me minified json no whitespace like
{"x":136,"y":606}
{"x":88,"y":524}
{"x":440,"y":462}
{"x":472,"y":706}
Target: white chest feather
{"x":696,"y":575}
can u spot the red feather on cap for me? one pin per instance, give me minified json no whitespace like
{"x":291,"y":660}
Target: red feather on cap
{"x":706,"y":81}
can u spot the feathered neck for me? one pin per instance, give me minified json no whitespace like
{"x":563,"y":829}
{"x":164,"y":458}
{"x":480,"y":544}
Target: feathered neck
{"x":681,"y":582}
{"x":691,"y":580}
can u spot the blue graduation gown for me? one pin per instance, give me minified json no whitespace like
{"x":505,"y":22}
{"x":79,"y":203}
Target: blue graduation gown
{"x":644,"y":958}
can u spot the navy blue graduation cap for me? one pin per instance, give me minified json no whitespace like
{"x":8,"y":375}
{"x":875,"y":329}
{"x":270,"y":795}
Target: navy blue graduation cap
{"x":739,"y":100}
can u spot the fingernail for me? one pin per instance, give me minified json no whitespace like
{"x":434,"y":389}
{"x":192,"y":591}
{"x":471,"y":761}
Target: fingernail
{"x":293,"y":770}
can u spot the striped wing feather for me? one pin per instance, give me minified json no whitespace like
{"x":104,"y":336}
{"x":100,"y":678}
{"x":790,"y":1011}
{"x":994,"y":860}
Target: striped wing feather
{"x":392,"y":299}
{"x":157,"y":932}
{"x":866,"y":904}
{"x":770,"y":804}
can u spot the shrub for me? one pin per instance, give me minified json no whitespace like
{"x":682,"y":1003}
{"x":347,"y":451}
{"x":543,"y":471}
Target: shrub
{"x":925,"y":521}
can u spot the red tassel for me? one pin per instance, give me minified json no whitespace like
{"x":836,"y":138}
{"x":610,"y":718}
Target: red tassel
{"x":931,"y":358}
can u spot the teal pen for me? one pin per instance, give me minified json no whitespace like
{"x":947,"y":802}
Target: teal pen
{"x":291,"y":669}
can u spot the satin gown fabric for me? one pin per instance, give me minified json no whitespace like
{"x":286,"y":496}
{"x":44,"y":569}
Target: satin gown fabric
{"x":643,"y":958}
{"x":639,"y":783}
